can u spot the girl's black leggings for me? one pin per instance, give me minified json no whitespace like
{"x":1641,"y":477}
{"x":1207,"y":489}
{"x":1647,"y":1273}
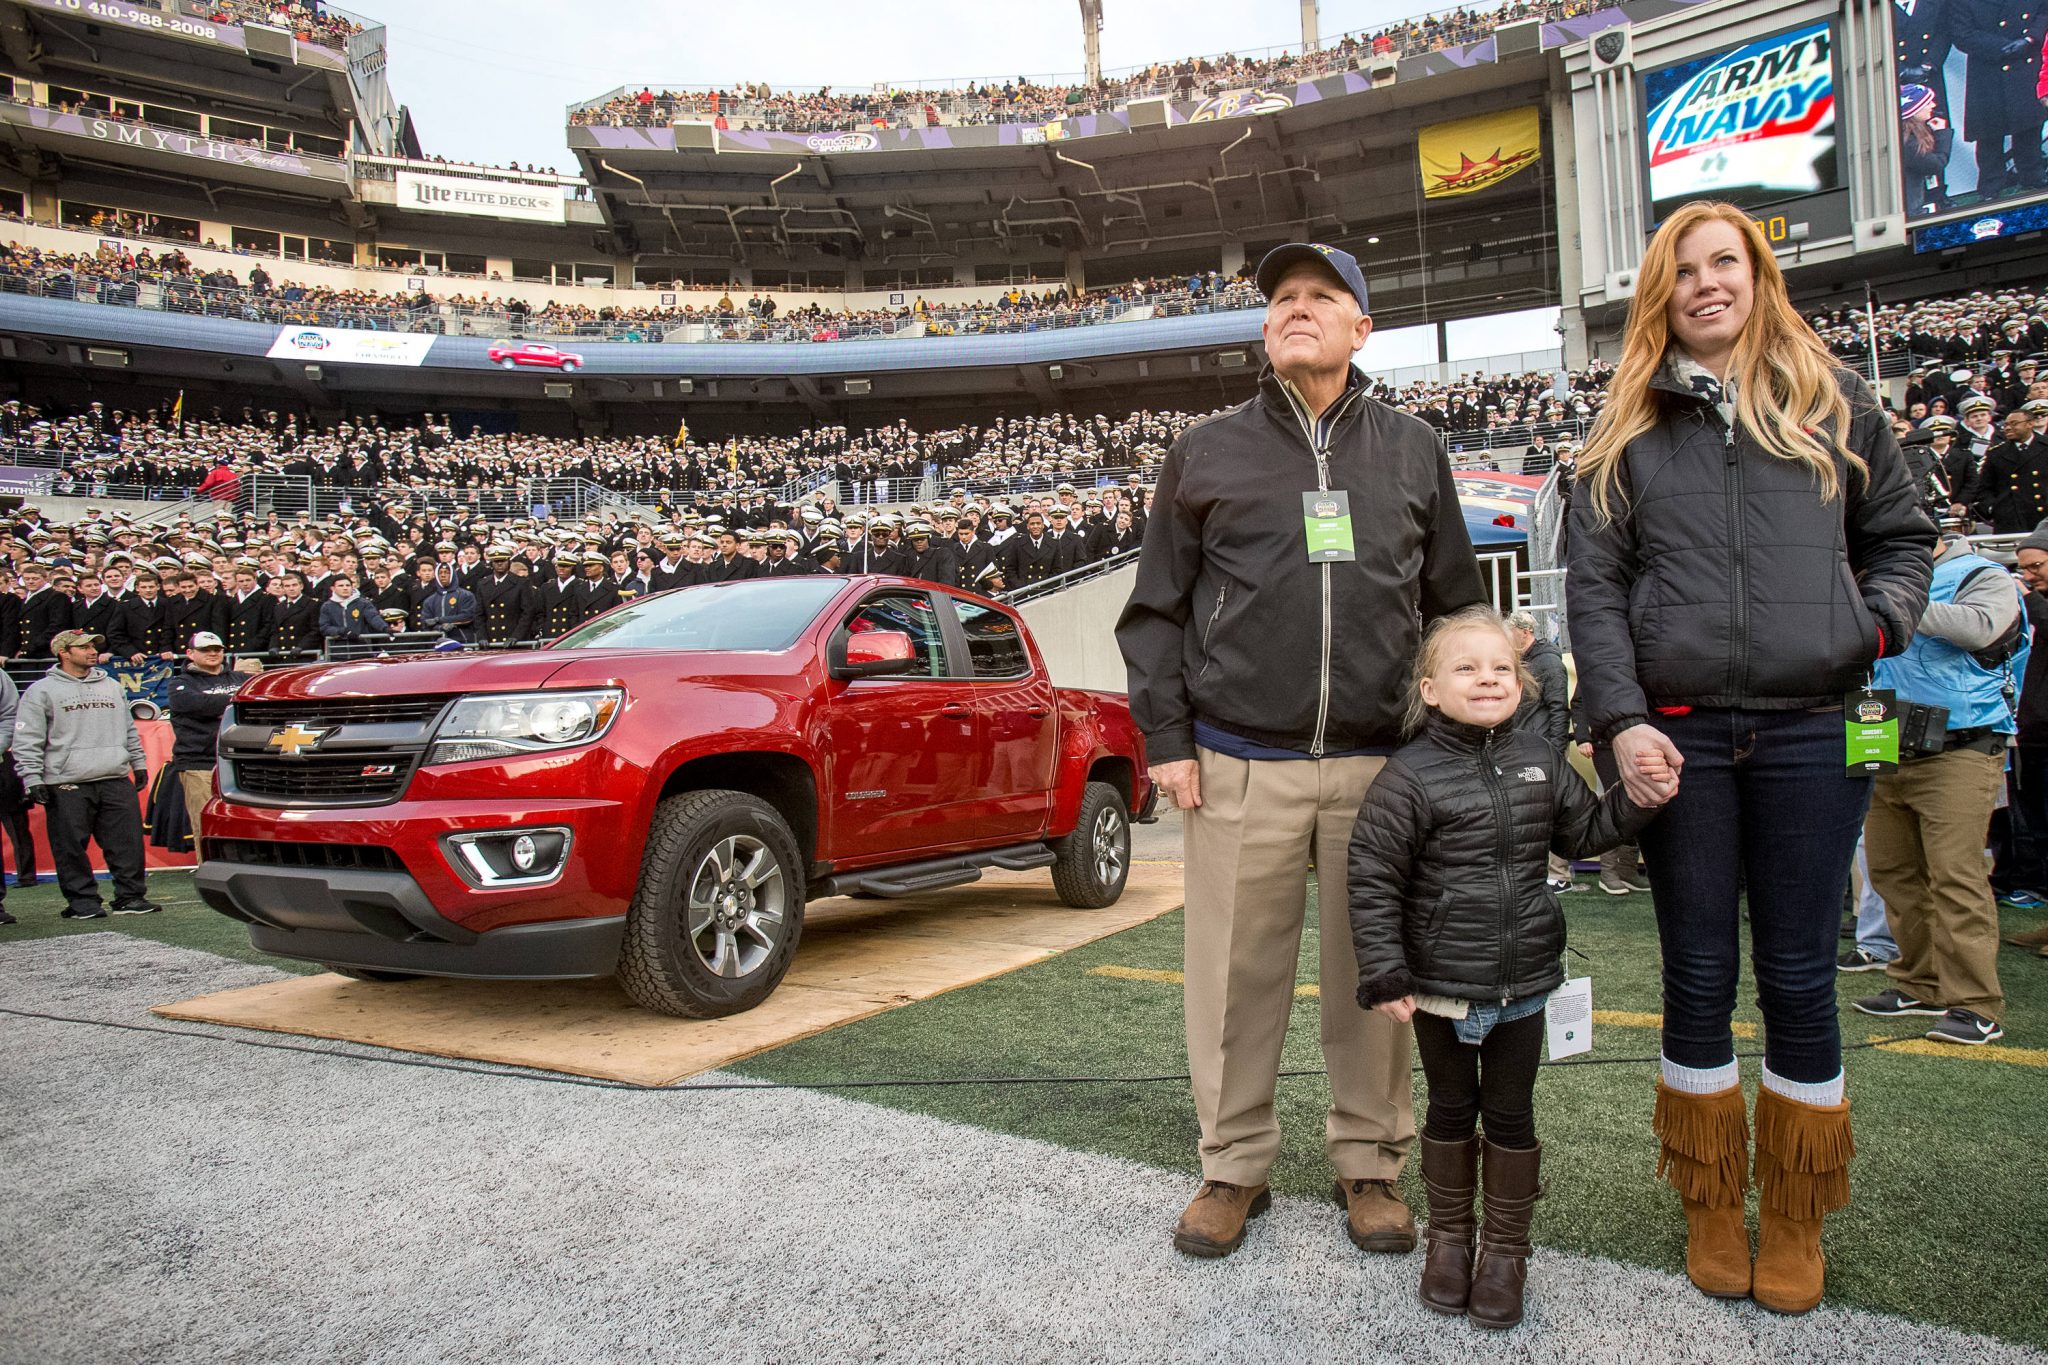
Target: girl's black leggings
{"x":1495,"y":1081}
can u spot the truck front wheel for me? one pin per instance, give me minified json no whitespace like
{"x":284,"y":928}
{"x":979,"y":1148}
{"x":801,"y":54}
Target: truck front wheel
{"x":1095,"y":860}
{"x":719,"y":909}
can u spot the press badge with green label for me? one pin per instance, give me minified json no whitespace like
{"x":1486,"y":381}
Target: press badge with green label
{"x":1870,"y":719}
{"x":1327,"y":517}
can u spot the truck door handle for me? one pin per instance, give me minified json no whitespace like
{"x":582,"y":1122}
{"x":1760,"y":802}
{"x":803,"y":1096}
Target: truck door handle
{"x":957,"y":709}
{"x":1038,"y":712}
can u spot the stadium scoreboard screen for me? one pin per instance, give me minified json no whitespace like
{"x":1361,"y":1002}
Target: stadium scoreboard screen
{"x":1754,"y":125}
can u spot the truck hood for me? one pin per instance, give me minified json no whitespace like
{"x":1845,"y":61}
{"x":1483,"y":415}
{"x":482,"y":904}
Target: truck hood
{"x":412,"y":675}
{"x":646,"y":671}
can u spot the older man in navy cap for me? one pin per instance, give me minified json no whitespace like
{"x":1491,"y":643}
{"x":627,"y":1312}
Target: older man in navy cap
{"x":1297,"y":545}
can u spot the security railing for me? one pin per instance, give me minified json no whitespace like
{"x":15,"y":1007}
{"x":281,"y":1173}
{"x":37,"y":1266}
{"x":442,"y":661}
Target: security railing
{"x":1045,"y":587}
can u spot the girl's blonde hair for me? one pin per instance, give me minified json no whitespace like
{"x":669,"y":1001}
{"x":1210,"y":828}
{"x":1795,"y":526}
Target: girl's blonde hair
{"x":1429,"y":656}
{"x":1786,"y":395}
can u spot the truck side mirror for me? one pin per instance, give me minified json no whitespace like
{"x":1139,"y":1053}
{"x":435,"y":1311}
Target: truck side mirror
{"x":873,"y":654}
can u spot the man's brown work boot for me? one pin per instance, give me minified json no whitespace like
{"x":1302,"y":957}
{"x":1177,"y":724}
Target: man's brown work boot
{"x":1213,"y":1224}
{"x":1375,"y":1217}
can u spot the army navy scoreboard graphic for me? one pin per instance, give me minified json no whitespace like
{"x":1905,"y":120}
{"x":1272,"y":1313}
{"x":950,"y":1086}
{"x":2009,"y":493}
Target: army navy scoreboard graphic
{"x":1754,"y":124}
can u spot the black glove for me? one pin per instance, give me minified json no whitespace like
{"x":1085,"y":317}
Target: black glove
{"x":142,"y":779}
{"x":39,"y":794}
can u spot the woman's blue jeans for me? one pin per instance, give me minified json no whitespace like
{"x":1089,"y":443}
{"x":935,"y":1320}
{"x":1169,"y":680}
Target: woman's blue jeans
{"x":1764,"y":805}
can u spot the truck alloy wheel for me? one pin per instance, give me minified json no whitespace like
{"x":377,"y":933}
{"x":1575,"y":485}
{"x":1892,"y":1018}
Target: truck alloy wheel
{"x":737,"y":900}
{"x":719,"y":909}
{"x":1095,"y":860}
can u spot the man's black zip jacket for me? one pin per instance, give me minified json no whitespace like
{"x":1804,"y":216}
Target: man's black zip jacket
{"x":1230,"y":623}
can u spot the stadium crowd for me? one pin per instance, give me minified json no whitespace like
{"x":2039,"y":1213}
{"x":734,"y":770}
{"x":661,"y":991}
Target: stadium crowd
{"x":749,"y":105}
{"x":256,"y":579}
{"x":155,"y":450}
{"x":308,"y":20}
{"x":1979,"y":343}
{"x":118,"y":274}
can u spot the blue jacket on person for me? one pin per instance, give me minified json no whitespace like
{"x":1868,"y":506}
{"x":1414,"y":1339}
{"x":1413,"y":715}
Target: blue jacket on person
{"x":350,"y":620}
{"x":1972,"y":604}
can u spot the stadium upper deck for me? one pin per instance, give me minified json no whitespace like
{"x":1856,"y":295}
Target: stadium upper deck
{"x":267,"y":131}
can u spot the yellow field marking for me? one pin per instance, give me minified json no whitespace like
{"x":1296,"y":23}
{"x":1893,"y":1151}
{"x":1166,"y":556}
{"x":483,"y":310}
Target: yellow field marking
{"x":1138,"y":974}
{"x":1629,"y":1019}
{"x":1986,"y":1052}
{"x":1308,"y":990}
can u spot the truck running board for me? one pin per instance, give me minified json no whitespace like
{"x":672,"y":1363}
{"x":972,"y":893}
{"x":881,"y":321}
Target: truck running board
{"x":933,"y":874}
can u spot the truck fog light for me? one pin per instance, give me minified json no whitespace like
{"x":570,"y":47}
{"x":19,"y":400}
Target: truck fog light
{"x":510,"y":857}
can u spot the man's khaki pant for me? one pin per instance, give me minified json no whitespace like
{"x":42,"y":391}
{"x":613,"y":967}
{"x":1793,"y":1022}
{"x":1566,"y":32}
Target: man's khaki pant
{"x":197,"y":785}
{"x":1248,"y":847}
{"x":1925,"y":842}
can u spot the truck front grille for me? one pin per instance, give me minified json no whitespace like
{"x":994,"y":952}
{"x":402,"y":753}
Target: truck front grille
{"x":341,"y":711}
{"x":317,"y":779}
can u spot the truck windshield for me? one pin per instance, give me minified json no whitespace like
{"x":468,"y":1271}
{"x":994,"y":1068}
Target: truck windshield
{"x":761,"y":614}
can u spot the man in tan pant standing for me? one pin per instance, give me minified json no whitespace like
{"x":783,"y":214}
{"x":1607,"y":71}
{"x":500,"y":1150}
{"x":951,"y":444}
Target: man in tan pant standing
{"x":1297,"y":545}
{"x":1925,"y":831}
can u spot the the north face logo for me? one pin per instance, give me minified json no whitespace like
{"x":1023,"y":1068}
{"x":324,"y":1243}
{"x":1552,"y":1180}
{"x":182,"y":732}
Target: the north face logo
{"x":1532,"y":774}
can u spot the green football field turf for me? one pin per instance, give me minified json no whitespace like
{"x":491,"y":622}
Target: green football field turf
{"x":1949,"y":1222}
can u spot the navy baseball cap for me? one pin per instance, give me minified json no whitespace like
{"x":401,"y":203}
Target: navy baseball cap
{"x":1342,"y":263}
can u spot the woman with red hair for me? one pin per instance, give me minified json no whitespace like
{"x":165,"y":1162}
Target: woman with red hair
{"x":1745,"y":541}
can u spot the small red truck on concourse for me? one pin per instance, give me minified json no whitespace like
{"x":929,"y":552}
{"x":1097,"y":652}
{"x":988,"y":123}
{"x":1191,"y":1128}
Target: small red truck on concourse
{"x":658,"y":793}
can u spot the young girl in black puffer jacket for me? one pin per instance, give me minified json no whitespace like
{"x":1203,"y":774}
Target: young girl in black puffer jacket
{"x":1456,"y":928}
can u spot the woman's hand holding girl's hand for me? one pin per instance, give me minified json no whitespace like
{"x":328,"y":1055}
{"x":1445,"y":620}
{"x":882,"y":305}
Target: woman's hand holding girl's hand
{"x":1656,"y":770}
{"x":1644,"y":743}
{"x":1401,"y":1010}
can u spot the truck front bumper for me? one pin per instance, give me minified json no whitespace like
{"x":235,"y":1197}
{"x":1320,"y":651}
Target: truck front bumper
{"x":390,"y":888}
{"x":383,"y":921}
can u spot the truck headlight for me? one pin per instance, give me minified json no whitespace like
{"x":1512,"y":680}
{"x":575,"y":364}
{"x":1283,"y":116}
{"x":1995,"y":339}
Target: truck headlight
{"x":512,"y":723}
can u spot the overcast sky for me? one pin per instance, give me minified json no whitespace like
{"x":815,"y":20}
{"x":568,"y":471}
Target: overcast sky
{"x":492,"y":81}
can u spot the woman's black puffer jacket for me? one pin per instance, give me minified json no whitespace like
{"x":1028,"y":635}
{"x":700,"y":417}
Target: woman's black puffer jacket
{"x":1448,"y":864}
{"x":1725,"y":581}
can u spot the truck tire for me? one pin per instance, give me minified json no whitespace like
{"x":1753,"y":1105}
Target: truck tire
{"x":719,"y":909}
{"x":1095,"y":860}
{"x":367,"y":974}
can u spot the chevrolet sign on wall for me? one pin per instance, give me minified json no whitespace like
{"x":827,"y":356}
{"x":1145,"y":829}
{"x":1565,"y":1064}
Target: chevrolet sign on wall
{"x":488,"y":198}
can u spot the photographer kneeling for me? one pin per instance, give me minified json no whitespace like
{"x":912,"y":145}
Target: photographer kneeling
{"x":1956,"y":687}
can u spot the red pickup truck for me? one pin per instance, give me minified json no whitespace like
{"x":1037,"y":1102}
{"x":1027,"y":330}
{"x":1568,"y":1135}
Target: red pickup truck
{"x":658,"y":793}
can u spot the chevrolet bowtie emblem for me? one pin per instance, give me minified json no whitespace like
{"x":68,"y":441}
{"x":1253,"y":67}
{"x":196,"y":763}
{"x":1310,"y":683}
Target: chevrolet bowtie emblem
{"x":293,"y":738}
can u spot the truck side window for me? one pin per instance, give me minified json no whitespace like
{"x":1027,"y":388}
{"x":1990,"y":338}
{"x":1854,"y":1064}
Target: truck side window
{"x":993,"y":641}
{"x":912,"y":614}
